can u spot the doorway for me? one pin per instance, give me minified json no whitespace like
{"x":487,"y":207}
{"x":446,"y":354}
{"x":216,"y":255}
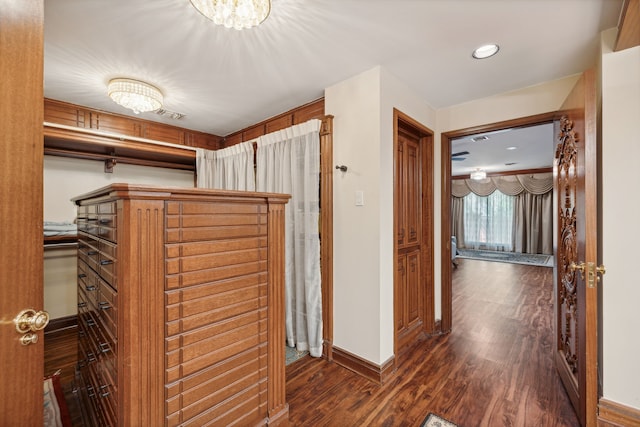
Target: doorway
{"x":413,"y":232}
{"x":446,"y":149}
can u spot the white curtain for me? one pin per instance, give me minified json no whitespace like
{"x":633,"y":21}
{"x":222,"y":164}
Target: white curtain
{"x":488,"y":221}
{"x":288,"y":161}
{"x":227,"y":169}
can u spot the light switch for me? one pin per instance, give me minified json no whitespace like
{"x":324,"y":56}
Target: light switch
{"x":359,"y":198}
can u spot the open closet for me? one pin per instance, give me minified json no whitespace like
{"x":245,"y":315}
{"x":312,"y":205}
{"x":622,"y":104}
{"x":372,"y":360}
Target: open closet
{"x":76,"y":132}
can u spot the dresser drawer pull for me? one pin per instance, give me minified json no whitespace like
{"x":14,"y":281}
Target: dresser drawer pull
{"x":91,"y":357}
{"x":82,"y":276}
{"x":92,"y":219}
{"x":104,"y":347}
{"x":91,"y":253}
{"x":91,"y":322}
{"x":90,"y":391}
{"x":104,"y":221}
{"x":90,"y":287}
{"x":106,"y":261}
{"x":82,"y":304}
{"x":104,"y":392}
{"x":104,"y":305}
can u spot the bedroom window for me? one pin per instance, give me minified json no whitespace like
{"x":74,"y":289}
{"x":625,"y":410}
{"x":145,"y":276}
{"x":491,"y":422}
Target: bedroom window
{"x":488,"y":221}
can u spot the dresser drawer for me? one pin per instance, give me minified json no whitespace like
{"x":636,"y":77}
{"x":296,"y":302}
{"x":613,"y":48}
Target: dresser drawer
{"x":88,"y":251}
{"x":108,"y":308}
{"x":107,"y":263}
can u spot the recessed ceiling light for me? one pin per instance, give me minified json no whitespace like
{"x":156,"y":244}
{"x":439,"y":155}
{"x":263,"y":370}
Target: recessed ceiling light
{"x":512,"y":148}
{"x":479,"y":138}
{"x":485,"y":51}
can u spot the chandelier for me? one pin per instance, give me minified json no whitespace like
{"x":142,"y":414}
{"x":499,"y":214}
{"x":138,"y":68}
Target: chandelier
{"x":478,"y":174}
{"x":236,"y":14}
{"x":135,"y":95}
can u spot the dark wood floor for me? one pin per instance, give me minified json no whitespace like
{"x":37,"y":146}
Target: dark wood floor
{"x":494,"y":369}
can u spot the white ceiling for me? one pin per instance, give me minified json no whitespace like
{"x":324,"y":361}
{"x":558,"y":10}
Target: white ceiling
{"x":225,"y":80}
{"x":507,"y":150}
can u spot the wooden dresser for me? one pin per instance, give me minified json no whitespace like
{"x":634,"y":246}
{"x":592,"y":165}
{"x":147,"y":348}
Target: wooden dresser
{"x":181,"y":306}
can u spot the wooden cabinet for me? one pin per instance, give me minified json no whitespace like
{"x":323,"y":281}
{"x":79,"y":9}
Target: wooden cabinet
{"x":181,"y":306}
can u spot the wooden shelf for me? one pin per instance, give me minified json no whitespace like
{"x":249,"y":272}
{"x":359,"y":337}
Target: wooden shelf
{"x":60,"y":140}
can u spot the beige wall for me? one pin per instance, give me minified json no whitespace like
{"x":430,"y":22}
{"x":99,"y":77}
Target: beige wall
{"x":620,"y":223}
{"x":363,"y":235}
{"x":66,"y":178}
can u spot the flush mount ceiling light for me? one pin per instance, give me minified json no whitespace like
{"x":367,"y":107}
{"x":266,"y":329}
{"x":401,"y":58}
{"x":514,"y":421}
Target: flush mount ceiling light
{"x":135,"y":95}
{"x":236,"y":14}
{"x":478,"y":174}
{"x":485,"y":51}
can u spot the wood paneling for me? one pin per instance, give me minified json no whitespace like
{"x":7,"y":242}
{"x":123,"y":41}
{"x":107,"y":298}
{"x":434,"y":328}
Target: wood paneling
{"x":114,"y":136}
{"x":629,"y":27}
{"x":312,"y":110}
{"x":494,"y":369}
{"x":112,"y":123}
{"x":198,"y":303}
{"x":280,"y":123}
{"x":21,"y":200}
{"x":165,"y":133}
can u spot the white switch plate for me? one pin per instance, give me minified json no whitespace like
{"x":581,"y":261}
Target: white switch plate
{"x":359,"y":198}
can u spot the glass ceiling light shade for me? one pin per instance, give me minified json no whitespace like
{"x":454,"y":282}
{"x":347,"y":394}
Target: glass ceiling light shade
{"x":135,"y":95}
{"x":236,"y":14}
{"x":485,"y":51}
{"x":478,"y":174}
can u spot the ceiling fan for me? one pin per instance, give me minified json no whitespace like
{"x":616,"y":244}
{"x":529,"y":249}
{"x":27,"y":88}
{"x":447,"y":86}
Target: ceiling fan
{"x":456,"y":157}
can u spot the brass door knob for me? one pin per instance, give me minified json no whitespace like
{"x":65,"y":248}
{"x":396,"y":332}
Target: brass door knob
{"x":30,"y":320}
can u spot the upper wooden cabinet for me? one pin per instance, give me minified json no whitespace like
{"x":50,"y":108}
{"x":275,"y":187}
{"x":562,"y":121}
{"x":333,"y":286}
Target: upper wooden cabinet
{"x":75,"y":131}
{"x":312,"y":110}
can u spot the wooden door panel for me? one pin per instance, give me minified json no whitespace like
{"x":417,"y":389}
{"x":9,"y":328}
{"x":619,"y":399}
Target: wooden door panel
{"x":412,"y":193}
{"x":577,"y":206}
{"x":400,"y":292}
{"x":400,"y":194}
{"x":414,"y":289}
{"x":21,"y":251}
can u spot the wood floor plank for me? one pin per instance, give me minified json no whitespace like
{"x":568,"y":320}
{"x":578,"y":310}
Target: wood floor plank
{"x":494,"y":369}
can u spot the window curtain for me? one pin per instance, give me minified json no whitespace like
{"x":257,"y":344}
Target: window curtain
{"x":533,"y":232}
{"x":457,"y":220}
{"x":288,"y":161}
{"x":227,"y":169}
{"x":488,"y":221}
{"x":532,"y":209}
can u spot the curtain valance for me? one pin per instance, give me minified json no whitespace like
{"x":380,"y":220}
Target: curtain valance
{"x":512,"y":185}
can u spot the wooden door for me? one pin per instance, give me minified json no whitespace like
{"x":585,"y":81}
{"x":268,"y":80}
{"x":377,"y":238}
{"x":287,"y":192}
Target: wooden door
{"x":21,"y":238}
{"x":576,"y":253}
{"x":410,"y":282}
